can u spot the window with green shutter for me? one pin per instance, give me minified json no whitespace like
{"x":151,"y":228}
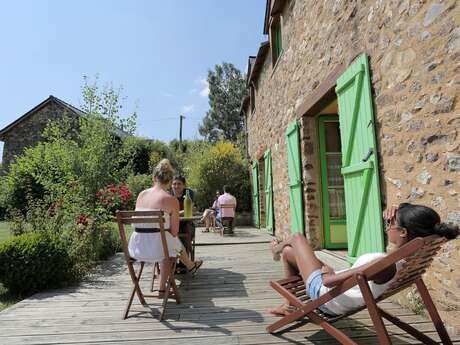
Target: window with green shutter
{"x":276,"y":39}
{"x":295,"y":178}
{"x":359,"y":161}
{"x":255,"y":195}
{"x":268,"y":192}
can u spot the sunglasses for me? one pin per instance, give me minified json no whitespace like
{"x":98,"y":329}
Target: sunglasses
{"x":390,"y":224}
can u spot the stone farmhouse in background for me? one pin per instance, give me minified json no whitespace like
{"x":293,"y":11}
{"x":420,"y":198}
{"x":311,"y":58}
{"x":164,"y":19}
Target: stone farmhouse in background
{"x":353,"y":106}
{"x":27,"y":130}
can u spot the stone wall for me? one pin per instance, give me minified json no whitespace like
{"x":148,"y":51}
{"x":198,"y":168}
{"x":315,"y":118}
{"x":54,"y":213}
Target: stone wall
{"x":414,"y":57}
{"x":29,"y":131}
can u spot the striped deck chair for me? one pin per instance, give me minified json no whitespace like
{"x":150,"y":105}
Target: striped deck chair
{"x":417,"y":256}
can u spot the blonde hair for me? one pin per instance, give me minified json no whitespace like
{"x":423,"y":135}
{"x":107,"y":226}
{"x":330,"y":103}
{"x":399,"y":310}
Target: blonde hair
{"x":163,"y":172}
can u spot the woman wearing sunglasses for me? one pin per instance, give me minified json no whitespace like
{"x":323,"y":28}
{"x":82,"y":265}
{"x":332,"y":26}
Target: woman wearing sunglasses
{"x":402,"y":224}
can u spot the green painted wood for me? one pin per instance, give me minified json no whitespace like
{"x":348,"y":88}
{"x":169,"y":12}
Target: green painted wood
{"x":330,"y":225}
{"x":278,"y":40}
{"x":268,"y":192}
{"x":295,"y":178}
{"x":360,"y":165}
{"x":255,"y":194}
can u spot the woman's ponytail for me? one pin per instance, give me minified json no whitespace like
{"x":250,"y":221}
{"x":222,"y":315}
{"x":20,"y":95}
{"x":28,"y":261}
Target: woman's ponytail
{"x":448,"y":231}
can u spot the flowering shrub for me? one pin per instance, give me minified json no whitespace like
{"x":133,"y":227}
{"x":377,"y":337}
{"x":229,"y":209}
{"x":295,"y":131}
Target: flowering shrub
{"x":114,"y":197}
{"x":83,"y":219}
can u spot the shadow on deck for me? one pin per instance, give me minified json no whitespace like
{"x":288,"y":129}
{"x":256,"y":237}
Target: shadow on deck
{"x":226,"y":303}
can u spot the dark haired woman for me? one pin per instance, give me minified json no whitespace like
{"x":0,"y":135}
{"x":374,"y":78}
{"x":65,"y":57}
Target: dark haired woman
{"x":402,"y":224}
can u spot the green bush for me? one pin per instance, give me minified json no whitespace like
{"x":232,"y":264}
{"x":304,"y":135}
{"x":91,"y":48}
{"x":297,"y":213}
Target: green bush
{"x":210,"y":167}
{"x":32,"y":262}
{"x":138,"y":183}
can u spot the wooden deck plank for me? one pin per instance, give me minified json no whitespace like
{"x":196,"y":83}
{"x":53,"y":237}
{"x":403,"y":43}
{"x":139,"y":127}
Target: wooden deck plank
{"x":226,"y":303}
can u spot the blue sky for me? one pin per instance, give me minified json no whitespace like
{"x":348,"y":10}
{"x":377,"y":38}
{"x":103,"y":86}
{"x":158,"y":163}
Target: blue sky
{"x":158,"y":51}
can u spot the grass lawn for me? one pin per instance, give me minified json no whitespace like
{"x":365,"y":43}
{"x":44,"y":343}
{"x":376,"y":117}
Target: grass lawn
{"x":4,"y":231}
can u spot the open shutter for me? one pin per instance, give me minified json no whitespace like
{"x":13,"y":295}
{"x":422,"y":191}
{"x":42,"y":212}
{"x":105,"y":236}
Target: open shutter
{"x":255,"y":195}
{"x":359,"y":161}
{"x":295,"y":178}
{"x":268,"y":191}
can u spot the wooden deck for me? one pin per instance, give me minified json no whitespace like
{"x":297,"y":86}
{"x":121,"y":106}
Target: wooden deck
{"x":226,"y":303}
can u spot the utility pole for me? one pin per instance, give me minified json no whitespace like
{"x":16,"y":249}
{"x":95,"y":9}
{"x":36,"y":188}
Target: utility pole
{"x":181,"y":117}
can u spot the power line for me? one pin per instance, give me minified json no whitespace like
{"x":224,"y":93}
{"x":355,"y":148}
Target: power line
{"x":164,"y":119}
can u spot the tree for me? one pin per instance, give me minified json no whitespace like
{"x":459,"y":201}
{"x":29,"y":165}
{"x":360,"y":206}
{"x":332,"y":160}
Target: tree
{"x":211,"y":166}
{"x":227,"y":89}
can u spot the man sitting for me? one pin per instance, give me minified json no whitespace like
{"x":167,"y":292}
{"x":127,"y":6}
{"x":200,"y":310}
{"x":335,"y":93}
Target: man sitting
{"x":226,"y":213}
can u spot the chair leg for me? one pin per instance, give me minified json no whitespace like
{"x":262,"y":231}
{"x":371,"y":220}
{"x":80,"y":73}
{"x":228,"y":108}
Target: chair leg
{"x":170,"y":283}
{"x":382,"y":334}
{"x":408,"y":328}
{"x":165,"y":299}
{"x":136,"y":289}
{"x":156,"y":268}
{"x":434,"y":315}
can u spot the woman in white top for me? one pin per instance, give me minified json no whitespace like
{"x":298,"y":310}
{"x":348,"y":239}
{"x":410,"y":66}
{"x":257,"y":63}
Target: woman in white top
{"x":402,"y":225}
{"x":147,"y":247}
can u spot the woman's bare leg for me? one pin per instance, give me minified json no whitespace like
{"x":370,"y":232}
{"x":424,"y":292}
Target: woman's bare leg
{"x":290,"y":269}
{"x":208,"y":222}
{"x":163,"y":268}
{"x":307,"y":262}
{"x":298,"y":257}
{"x":277,"y":247}
{"x":185,"y":259}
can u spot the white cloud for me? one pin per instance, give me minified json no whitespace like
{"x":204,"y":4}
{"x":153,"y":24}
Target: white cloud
{"x":205,"y":87}
{"x":186,"y":109}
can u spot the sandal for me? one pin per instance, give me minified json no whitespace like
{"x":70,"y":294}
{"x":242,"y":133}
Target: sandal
{"x":195,"y":267}
{"x":205,"y":230}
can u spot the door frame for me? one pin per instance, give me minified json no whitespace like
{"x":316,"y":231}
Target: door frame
{"x":325,"y":211}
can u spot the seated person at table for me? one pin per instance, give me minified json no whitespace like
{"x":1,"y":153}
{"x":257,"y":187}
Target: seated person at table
{"x":210,"y":214}
{"x":147,"y":247}
{"x":179,"y":189}
{"x":402,"y":224}
{"x":226,"y":199}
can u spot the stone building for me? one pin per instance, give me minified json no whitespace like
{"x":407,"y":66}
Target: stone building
{"x":354,"y":106}
{"x":27,"y":130}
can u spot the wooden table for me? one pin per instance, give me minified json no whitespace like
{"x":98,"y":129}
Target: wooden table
{"x":189,"y":236}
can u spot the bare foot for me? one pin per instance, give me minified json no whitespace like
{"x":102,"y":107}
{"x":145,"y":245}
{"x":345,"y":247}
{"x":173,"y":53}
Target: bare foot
{"x":274,"y":246}
{"x":282,"y":310}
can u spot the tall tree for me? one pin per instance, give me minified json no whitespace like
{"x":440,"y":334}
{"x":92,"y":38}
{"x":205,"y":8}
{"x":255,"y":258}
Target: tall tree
{"x":226,"y":91}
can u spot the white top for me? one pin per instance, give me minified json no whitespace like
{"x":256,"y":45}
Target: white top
{"x":229,"y":199}
{"x":352,"y":298}
{"x":148,"y":247}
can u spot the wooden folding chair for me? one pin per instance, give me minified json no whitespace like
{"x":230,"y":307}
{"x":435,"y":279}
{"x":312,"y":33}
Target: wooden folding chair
{"x":227,"y":222}
{"x":171,"y":291}
{"x":417,"y":256}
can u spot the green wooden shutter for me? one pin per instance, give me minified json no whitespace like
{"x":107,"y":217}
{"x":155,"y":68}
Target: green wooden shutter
{"x":359,"y":161}
{"x":278,"y":40}
{"x":255,"y":195}
{"x":268,"y":191}
{"x":295,"y":178}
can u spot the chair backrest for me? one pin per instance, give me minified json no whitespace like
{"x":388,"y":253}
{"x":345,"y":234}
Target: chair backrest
{"x":227,"y":206}
{"x":137,"y":217}
{"x":416,"y":263}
